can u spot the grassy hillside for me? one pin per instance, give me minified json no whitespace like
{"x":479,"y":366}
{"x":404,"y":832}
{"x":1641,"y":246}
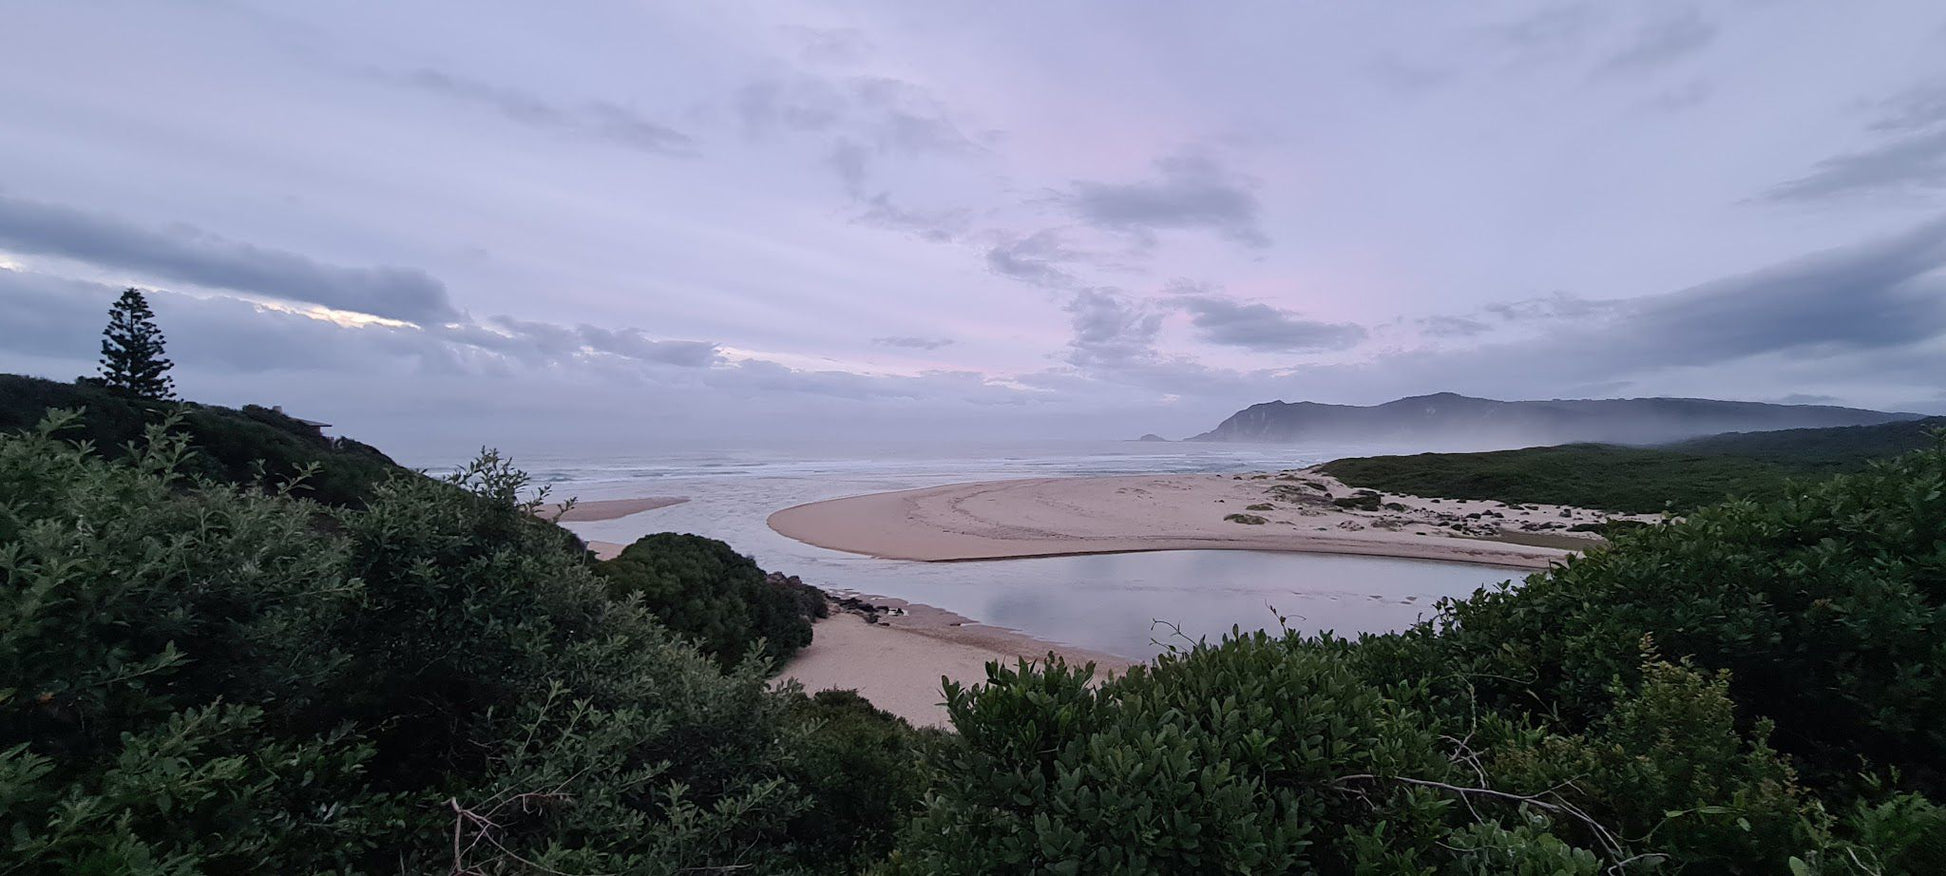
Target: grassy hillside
{"x":1678,"y":477}
{"x":228,"y":444}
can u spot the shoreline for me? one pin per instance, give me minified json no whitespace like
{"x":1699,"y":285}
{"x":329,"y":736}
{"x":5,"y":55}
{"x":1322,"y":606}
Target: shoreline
{"x":1296,"y":510}
{"x":897,"y":660}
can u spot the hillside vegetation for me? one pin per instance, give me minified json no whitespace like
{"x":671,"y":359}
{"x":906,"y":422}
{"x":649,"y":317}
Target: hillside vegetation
{"x":1678,"y":477}
{"x":251,"y":445}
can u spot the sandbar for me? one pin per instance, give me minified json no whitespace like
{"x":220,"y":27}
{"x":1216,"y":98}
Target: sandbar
{"x":1297,"y":510}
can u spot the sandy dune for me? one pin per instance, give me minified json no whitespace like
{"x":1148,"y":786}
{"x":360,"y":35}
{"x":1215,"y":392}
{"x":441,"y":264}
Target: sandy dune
{"x":1054,"y":516}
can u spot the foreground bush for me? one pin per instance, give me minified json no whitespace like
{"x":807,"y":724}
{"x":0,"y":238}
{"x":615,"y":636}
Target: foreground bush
{"x":703,"y":588}
{"x":199,"y":678}
{"x":1827,"y":608}
{"x":1759,"y":689}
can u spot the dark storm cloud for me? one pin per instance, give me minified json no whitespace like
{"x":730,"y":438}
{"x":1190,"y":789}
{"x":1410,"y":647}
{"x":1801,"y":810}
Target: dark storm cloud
{"x":913,"y":343}
{"x":1662,"y":42}
{"x":598,"y":119}
{"x":1262,"y":328}
{"x":188,"y":255}
{"x":1189,"y":192}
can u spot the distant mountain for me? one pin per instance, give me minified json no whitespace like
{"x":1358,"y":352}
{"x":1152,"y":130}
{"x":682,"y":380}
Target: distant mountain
{"x":1450,"y":420}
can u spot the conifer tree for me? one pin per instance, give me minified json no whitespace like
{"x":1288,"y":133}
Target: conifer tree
{"x":131,"y":351}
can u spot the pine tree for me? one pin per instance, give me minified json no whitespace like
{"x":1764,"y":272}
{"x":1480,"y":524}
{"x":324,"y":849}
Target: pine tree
{"x":131,"y":351}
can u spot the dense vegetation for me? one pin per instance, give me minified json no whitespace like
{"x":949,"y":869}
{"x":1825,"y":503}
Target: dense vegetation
{"x":1759,"y":689}
{"x":1639,"y":480}
{"x":202,"y":678}
{"x":703,"y":588}
{"x":251,"y":445}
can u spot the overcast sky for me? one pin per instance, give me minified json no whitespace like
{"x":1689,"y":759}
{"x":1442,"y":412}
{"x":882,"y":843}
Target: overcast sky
{"x":654,"y":223}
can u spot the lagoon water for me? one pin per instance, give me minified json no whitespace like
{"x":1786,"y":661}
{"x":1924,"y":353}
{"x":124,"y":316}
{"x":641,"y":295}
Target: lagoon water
{"x":1108,"y":603}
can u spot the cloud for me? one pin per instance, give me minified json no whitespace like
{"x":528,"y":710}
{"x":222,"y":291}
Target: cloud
{"x":1864,"y":308}
{"x":59,"y":319}
{"x":1557,"y":305}
{"x":1884,"y":294}
{"x":1910,"y":160}
{"x":553,"y":341}
{"x":62,"y":318}
{"x":1662,"y":42}
{"x":1262,"y":328}
{"x":1916,"y":108}
{"x":1453,"y":326}
{"x":1037,"y":259}
{"x":913,"y":343}
{"x":184,"y":254}
{"x":938,"y":226}
{"x":1110,"y":330}
{"x":864,"y":118}
{"x":1189,"y":192}
{"x":1805,"y":398}
{"x":1547,"y":29}
{"x":1908,"y":165}
{"x":836,"y":46}
{"x":850,"y":160}
{"x":601,"y":120}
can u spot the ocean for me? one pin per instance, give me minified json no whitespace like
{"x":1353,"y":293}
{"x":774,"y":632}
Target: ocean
{"x":1131,"y":605}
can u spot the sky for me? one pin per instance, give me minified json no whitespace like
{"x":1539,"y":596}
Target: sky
{"x":644,"y":224}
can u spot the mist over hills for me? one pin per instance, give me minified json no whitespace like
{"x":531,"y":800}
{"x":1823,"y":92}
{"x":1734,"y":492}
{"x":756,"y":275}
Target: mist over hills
{"x":1451,"y":420}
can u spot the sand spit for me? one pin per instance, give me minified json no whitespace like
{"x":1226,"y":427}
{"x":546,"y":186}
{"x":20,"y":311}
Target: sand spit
{"x":1296,"y":510}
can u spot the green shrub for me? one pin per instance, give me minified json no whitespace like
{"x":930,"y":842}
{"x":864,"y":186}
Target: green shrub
{"x":862,"y":770}
{"x":201,"y":678}
{"x":1260,"y":506}
{"x":1827,"y":607}
{"x":1246,"y":519}
{"x":703,"y":588}
{"x":1363,"y":500}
